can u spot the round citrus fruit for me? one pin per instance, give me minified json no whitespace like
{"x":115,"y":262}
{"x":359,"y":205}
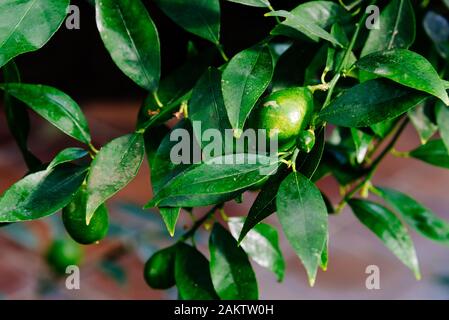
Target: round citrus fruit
{"x":74,"y":219}
{"x":159,"y":271}
{"x":63,"y":253}
{"x":286,"y":112}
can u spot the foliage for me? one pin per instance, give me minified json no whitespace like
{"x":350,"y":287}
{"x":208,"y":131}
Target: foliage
{"x":367,"y":83}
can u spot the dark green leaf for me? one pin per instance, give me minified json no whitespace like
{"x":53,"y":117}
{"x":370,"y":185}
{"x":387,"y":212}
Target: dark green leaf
{"x":215,"y":180}
{"x":54,"y":106}
{"x":232,"y":274}
{"x":356,"y":108}
{"x":41,"y":194}
{"x":307,"y":163}
{"x":417,"y":216}
{"x":17,"y":118}
{"x":397,"y":28}
{"x":304,"y":25}
{"x":320,"y":13}
{"x":67,"y":155}
{"x":423,"y":125}
{"x":261,"y":244}
{"x":192,"y":274}
{"x":303,"y":216}
{"x":206,"y":106}
{"x":382,"y":129}
{"x":265,"y":203}
{"x":442,"y":115}
{"x":170,"y":217}
{"x":407,"y":68}
{"x":433,"y":152}
{"x":335,"y":55}
{"x":388,"y":228}
{"x":113,"y":168}
{"x":27,"y":25}
{"x":132,"y":40}
{"x":253,"y":3}
{"x":244,"y":80}
{"x":200,"y":17}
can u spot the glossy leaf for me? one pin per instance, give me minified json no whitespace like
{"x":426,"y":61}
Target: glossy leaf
{"x":41,"y":194}
{"x":113,"y":168}
{"x":422,"y":123}
{"x":261,"y":244}
{"x":304,"y":25}
{"x":170,"y":217}
{"x":433,"y":152}
{"x":206,"y":106}
{"x":54,"y":106}
{"x":382,"y":129}
{"x":320,"y":13}
{"x":388,"y":228}
{"x":417,"y":216}
{"x":244,"y":80}
{"x":265,"y":203}
{"x":407,"y":68}
{"x":231,"y":272}
{"x":17,"y":118}
{"x":307,"y":163}
{"x":442,"y":115}
{"x":215,"y":180}
{"x":200,"y":17}
{"x":192,"y":274}
{"x":67,"y":155}
{"x":355,"y":108}
{"x":362,"y":142}
{"x":27,"y":25}
{"x":397,"y":28}
{"x":303,"y":216}
{"x":253,"y":3}
{"x":132,"y":40}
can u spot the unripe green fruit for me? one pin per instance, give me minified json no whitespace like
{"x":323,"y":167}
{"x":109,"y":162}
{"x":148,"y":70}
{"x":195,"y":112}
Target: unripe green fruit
{"x":159,"y":270}
{"x":63,"y":253}
{"x":287,"y":112}
{"x":306,"y":140}
{"x":74,"y":219}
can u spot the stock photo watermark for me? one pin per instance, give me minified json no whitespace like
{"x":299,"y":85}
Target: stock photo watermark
{"x":72,"y":281}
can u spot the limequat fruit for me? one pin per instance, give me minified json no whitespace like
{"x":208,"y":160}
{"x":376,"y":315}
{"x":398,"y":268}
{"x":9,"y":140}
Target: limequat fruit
{"x":63,"y":253}
{"x":159,"y":271}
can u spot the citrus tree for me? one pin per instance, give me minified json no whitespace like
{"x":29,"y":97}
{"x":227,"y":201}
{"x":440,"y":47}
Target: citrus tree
{"x":334,"y":84}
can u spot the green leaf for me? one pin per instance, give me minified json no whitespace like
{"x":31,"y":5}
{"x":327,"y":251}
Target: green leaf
{"x":407,"y":68}
{"x":17,"y":118}
{"x":244,"y":80}
{"x":397,"y":28}
{"x":232,"y":274}
{"x":304,"y":25}
{"x":320,"y":13}
{"x":27,"y":25}
{"x":192,"y":274}
{"x":303,"y":216}
{"x":132,"y":40}
{"x":336,"y":56}
{"x":173,"y":90}
{"x":216,"y":180}
{"x":362,"y":142}
{"x":265,"y":203}
{"x":442,"y":115}
{"x":433,"y":152}
{"x":113,"y":168}
{"x":253,"y":3}
{"x":307,"y":163}
{"x":207,"y":106}
{"x":67,"y":155}
{"x":54,"y":106}
{"x":41,"y":194}
{"x":420,"y":119}
{"x":325,"y":254}
{"x":382,"y":129}
{"x":200,"y":17}
{"x":355,"y":108}
{"x":170,"y":217}
{"x":388,"y":228}
{"x":261,"y":244}
{"x":417,"y":216}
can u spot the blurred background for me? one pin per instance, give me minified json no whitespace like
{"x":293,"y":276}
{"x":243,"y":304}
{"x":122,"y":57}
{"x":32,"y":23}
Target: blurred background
{"x":76,"y":62}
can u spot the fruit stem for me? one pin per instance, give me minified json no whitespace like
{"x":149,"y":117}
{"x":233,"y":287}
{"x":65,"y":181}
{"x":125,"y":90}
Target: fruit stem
{"x":92,"y":148}
{"x":158,"y":101}
{"x":270,"y":7}
{"x":221,"y":51}
{"x":322,"y":87}
{"x":365,"y":184}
